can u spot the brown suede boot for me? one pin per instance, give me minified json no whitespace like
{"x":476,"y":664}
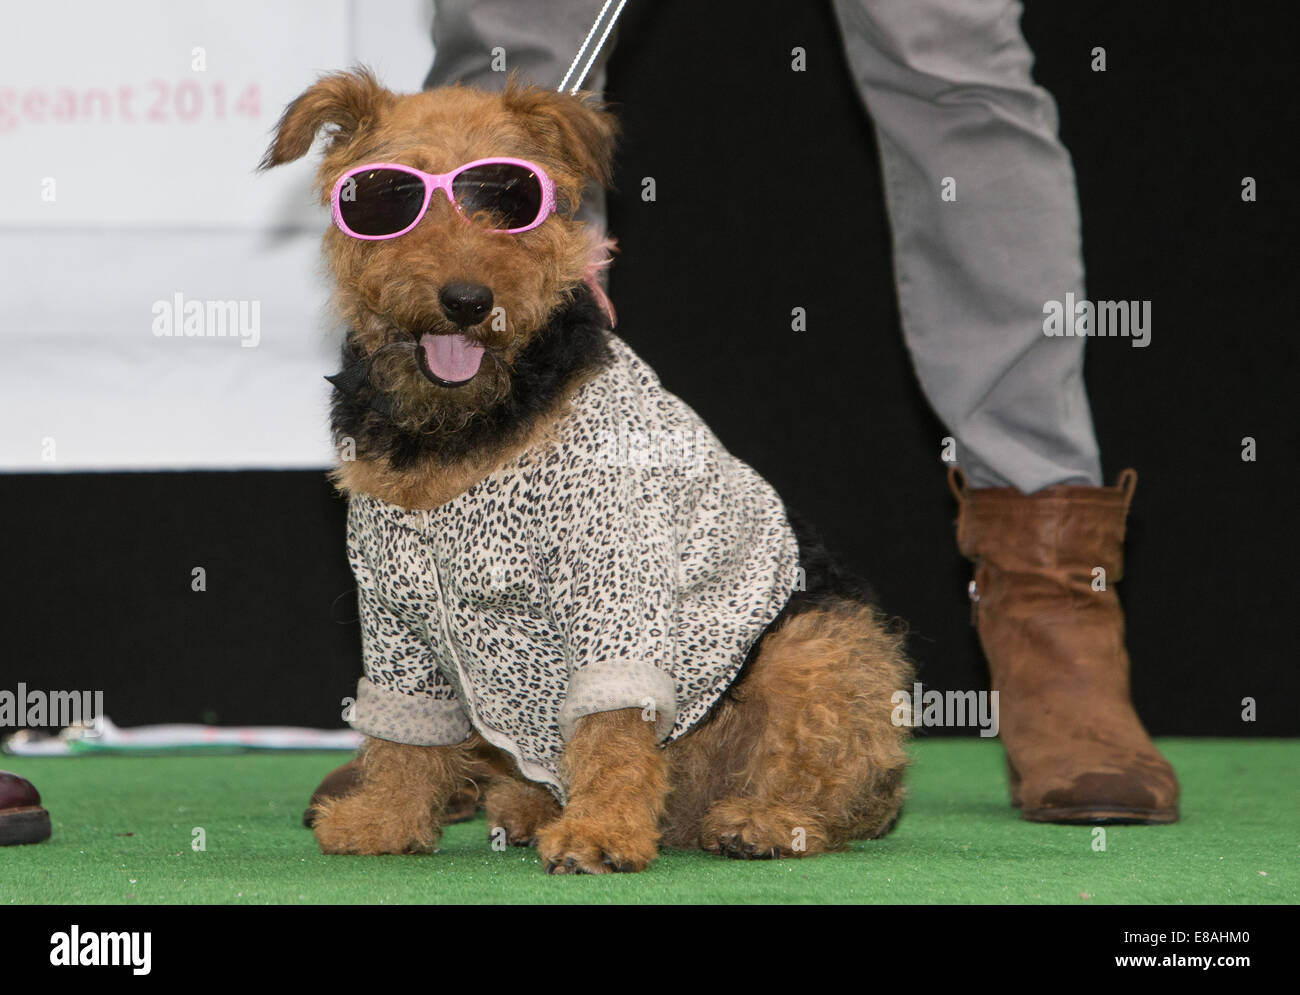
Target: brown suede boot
{"x":1076,"y":750}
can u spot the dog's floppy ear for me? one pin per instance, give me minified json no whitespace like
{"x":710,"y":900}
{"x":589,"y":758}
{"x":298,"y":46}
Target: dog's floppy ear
{"x":347,"y":101}
{"x":572,"y":128}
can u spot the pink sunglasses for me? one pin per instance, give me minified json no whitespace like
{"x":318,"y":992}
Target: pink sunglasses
{"x":384,"y":199}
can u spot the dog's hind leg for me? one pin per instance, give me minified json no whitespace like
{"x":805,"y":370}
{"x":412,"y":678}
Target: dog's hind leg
{"x":824,"y":760}
{"x":517,"y":810}
{"x":517,"y":807}
{"x":395,"y":805}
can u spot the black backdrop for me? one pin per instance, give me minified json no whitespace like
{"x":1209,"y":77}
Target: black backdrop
{"x":768,"y":198}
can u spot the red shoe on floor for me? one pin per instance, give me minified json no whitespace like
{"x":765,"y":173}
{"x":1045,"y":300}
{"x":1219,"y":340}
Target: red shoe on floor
{"x":22,"y":820}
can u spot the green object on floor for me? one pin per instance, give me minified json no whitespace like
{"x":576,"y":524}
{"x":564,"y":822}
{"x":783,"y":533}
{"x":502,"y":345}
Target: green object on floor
{"x":125,"y":830}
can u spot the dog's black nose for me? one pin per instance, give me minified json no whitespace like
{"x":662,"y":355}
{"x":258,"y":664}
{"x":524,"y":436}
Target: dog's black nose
{"x":465,"y":303}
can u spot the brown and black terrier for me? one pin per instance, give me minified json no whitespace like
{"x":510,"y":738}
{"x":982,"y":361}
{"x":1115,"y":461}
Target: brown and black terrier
{"x":575,"y":603}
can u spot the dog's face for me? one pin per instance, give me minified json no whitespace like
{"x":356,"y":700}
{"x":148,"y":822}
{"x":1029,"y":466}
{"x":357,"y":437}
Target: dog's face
{"x":444,"y":309}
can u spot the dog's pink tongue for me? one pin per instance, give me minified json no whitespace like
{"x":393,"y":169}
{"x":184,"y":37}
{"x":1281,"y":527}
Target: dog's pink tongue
{"x":451,"y":357}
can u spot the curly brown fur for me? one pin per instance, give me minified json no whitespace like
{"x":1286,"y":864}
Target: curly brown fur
{"x":520,"y":808}
{"x":617,"y":784}
{"x":802,"y":755}
{"x":486,"y":762}
{"x":511,"y":802}
{"x":395,"y":805}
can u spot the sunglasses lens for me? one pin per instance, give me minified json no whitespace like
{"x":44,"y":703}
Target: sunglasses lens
{"x":511,"y":196}
{"x":380,"y":201}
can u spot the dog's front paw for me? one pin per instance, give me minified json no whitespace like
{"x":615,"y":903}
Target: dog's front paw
{"x":359,"y":824}
{"x":584,"y":844}
{"x":746,"y":829}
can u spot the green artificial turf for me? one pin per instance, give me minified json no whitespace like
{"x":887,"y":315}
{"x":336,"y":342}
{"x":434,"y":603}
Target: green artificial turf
{"x":123,"y":831}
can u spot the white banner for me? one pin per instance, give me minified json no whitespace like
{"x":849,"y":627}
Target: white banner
{"x":160,"y":301}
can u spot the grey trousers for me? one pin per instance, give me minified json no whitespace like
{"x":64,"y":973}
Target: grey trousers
{"x":956,"y":111}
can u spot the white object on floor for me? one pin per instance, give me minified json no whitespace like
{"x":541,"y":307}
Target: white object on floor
{"x":103,"y":736}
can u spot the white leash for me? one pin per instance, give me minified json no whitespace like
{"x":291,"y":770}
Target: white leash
{"x":609,"y":26}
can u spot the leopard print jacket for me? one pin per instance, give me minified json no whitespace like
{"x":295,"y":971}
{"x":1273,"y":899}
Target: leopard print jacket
{"x":630,"y":562}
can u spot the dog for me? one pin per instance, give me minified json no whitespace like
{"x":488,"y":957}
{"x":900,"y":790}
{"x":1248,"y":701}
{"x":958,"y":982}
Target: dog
{"x":573,"y":600}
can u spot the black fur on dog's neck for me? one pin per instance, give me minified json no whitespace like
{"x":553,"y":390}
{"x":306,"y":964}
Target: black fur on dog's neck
{"x":570,"y":345}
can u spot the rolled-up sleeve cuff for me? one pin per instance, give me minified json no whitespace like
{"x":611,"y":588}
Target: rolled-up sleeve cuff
{"x":416,"y":720}
{"x":613,"y":684}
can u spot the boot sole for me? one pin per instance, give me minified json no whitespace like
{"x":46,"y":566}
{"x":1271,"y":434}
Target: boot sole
{"x":19,"y":826}
{"x":1094,"y":816}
